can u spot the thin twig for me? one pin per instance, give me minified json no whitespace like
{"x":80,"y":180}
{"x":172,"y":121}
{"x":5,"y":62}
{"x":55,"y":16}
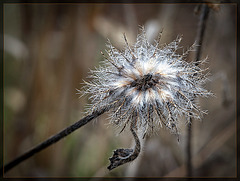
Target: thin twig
{"x":189,"y":148}
{"x":209,"y":149}
{"x":55,"y":138}
{"x":201,"y":30}
{"x":199,"y":42}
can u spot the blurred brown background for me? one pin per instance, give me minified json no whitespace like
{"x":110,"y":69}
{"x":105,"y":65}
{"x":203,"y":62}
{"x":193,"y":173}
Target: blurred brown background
{"x":48,"y":51}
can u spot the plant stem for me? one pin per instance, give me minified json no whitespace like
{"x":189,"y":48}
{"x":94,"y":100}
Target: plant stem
{"x":189,"y":148}
{"x":122,"y":156}
{"x":55,"y":138}
{"x":199,"y":41}
{"x":201,"y":30}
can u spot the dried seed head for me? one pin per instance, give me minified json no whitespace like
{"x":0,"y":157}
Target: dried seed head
{"x":149,"y":85}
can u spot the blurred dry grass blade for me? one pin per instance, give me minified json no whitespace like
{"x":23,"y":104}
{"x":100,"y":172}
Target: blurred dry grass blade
{"x":15,"y":47}
{"x":212,"y":146}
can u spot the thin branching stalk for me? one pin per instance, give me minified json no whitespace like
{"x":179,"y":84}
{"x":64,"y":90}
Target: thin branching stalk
{"x":199,"y":41}
{"x":55,"y":138}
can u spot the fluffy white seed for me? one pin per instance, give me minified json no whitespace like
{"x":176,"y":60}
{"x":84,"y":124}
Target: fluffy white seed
{"x":152,"y":85}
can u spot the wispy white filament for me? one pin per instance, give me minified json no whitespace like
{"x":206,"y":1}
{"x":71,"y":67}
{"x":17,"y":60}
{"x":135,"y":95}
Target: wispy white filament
{"x":148,"y":83}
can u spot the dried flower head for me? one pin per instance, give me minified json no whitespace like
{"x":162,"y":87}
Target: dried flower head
{"x":148,"y":85}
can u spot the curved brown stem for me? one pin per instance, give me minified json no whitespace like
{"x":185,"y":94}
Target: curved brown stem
{"x":122,"y":156}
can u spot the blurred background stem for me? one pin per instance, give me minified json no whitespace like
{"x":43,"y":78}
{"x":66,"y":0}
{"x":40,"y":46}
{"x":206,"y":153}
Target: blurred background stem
{"x":199,"y":41}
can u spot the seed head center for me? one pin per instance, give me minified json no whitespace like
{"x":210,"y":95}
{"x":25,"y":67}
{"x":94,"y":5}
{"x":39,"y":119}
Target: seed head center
{"x":145,"y":82}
